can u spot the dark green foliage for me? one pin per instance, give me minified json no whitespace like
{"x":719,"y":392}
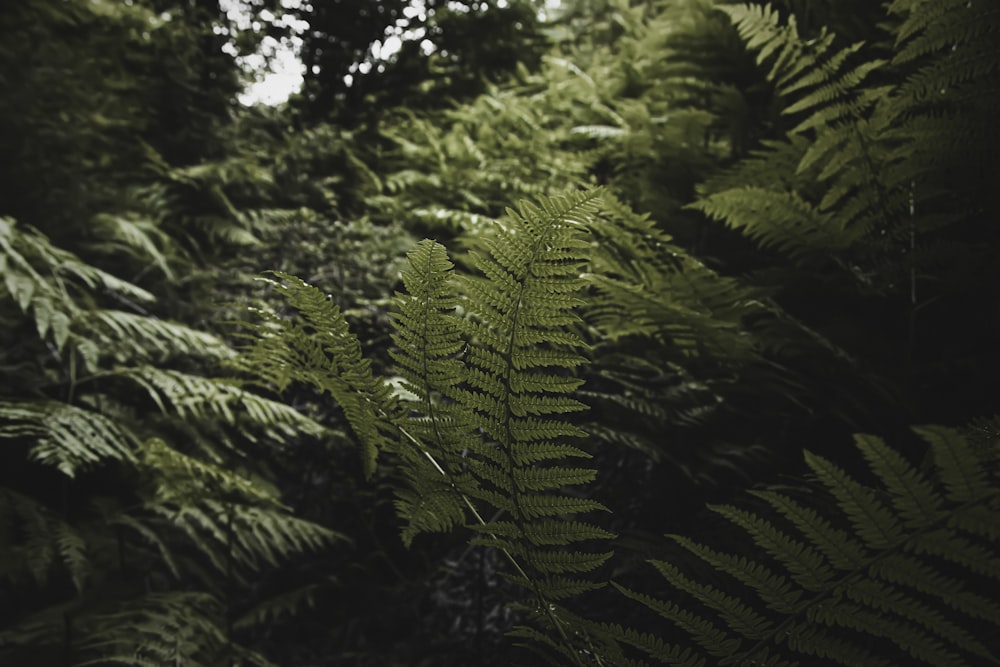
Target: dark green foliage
{"x":446,"y":51}
{"x":139,"y":519}
{"x":477,"y":421}
{"x":428,"y":341}
{"x":818,"y":259}
{"x":178,"y":521}
{"x":858,"y":575}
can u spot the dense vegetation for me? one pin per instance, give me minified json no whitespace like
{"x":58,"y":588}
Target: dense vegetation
{"x":614,"y":334}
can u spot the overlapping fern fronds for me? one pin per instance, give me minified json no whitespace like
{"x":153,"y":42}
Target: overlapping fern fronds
{"x":522,"y":351}
{"x":883,"y":153}
{"x":428,"y":343}
{"x":476,"y":414}
{"x":186,"y":519}
{"x":825,"y":87}
{"x":946,"y":51}
{"x":177,"y":628}
{"x":899,"y":572}
{"x":672,"y":345}
{"x":320,"y":350}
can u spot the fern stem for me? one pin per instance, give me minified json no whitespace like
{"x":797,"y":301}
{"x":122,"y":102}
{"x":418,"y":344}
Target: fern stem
{"x":548,"y":608}
{"x":509,"y":438}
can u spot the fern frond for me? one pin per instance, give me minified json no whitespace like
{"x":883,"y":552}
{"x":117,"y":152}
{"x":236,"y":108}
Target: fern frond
{"x":836,"y":195}
{"x":181,"y":479}
{"x":145,"y":338}
{"x":46,"y":541}
{"x":65,"y":436}
{"x":428,"y":340}
{"x":516,"y":395}
{"x":161,"y":629}
{"x":320,"y":350}
{"x":476,"y":416}
{"x":932,"y":27}
{"x":201,"y":398}
{"x":33,"y":254}
{"x":782,"y":220}
{"x":887,"y":586}
{"x":238,"y":539}
{"x":44,"y":280}
{"x":142,"y":235}
{"x":285,"y":605}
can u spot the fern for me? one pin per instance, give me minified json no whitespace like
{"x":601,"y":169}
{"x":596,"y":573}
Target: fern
{"x":65,"y":437}
{"x":428,"y":340}
{"x":194,"y":397}
{"x":165,"y":628}
{"x":866,"y":578}
{"x":87,"y":546}
{"x":138,"y":338}
{"x":476,"y":420}
{"x":515,"y":359}
{"x":321,"y":351}
{"x":828,"y":87}
{"x":49,"y":543}
{"x":118,"y":233}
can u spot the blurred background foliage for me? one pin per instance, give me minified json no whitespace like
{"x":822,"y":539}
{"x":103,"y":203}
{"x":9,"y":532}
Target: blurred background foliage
{"x":156,"y":508}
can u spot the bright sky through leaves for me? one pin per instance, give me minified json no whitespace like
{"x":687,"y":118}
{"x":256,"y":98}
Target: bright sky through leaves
{"x":273,"y":83}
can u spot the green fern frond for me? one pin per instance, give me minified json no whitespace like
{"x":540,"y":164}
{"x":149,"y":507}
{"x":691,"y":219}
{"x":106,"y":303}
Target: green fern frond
{"x":285,"y":605}
{"x":782,"y":220}
{"x":46,"y":541}
{"x":65,"y":436}
{"x":824,"y":80}
{"x":320,"y":350}
{"x":515,"y":395}
{"x":238,"y":539}
{"x":181,"y":478}
{"x":837,"y":194}
{"x":476,"y":416}
{"x":929,"y":27}
{"x":885,"y":585}
{"x":201,"y":398}
{"x":160,"y":629}
{"x":48,"y":282}
{"x":142,"y":235}
{"x":145,"y":338}
{"x":428,"y":340}
{"x":30,"y":252}
{"x":150,"y":535}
